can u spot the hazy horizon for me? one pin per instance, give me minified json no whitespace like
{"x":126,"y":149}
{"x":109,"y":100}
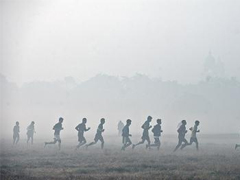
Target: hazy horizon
{"x":120,"y":59}
{"x":48,"y":40}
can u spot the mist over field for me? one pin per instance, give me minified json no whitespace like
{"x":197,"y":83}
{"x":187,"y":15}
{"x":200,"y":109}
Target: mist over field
{"x":120,"y":59}
{"x":215,"y":102}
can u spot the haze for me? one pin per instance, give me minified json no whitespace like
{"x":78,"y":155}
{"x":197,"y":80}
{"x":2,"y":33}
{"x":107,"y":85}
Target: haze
{"x":170,"y":59}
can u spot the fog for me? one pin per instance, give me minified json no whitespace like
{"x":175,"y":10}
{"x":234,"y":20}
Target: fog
{"x":172,"y":60}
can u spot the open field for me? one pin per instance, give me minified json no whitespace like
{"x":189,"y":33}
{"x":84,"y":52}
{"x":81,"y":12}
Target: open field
{"x":216,"y":160}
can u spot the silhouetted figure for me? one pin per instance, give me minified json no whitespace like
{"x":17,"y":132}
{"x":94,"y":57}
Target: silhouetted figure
{"x":237,"y":145}
{"x":157,"y":130}
{"x":16,"y":130}
{"x":81,"y":128}
{"x":30,"y":132}
{"x":181,"y":134}
{"x":98,"y":135}
{"x":146,"y":126}
{"x":125,"y":134}
{"x":193,"y":135}
{"x":120,"y":127}
{"x":57,"y":128}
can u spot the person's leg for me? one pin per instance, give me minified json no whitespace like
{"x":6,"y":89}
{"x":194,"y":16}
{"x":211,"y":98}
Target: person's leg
{"x":53,"y":142}
{"x":179,"y":144}
{"x":129,"y":142}
{"x":92,"y":143}
{"x":102,"y":143}
{"x":196,"y":141}
{"x":141,"y":142}
{"x":28,"y":138}
{"x":14,"y":139}
{"x":186,"y":143}
{"x":17,"y":139}
{"x":32,"y":139}
{"x":82,"y":142}
{"x":237,"y":145}
{"x":59,"y":143}
{"x":159,"y":144}
{"x":148,"y":142}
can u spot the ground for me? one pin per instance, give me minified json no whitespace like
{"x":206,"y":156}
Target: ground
{"x":213,"y":161}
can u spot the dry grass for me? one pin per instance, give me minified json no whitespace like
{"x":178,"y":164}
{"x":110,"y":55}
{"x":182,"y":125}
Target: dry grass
{"x":213,"y":161}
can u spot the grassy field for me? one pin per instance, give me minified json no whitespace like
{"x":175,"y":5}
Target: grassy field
{"x":213,"y":161}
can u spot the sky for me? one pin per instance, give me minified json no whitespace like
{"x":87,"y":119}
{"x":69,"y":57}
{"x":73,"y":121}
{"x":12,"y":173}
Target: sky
{"x":49,"y":40}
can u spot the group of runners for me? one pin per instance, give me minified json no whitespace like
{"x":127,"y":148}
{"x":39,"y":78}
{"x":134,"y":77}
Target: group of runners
{"x":123,"y":130}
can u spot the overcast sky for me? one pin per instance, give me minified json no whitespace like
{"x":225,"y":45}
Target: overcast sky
{"x":48,"y":40}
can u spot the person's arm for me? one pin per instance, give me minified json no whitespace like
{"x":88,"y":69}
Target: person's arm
{"x":86,"y":129}
{"x":77,"y":127}
{"x":100,"y":129}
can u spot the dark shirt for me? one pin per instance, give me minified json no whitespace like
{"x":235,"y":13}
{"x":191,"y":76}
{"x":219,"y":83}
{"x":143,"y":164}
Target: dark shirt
{"x":81,"y":128}
{"x":125,"y":131}
{"x":157,"y":130}
{"x":100,"y":129}
{"x":182,"y":130}
{"x":57,"y":128}
{"x":16,"y":129}
{"x":30,"y":129}
{"x":145,"y":127}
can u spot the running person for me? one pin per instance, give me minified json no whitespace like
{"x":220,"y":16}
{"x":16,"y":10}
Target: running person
{"x":81,"y":128}
{"x":237,"y":145}
{"x":181,"y":134}
{"x":157,"y":130}
{"x":30,"y":132}
{"x":146,"y":126}
{"x":98,"y":135}
{"x":57,"y":128}
{"x":193,"y":135}
{"x":16,"y":130}
{"x":125,"y":135}
{"x":120,"y":127}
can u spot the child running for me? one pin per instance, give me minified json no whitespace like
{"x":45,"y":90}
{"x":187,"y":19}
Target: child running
{"x":125,"y":134}
{"x":181,"y":134}
{"x":81,"y":128}
{"x":98,"y":135}
{"x":146,"y":126}
{"x":30,"y":132}
{"x":156,"y":133}
{"x":193,"y":135}
{"x":57,"y":128}
{"x":16,"y":130}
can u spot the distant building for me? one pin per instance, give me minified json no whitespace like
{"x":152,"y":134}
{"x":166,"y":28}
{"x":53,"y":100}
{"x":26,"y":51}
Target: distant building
{"x":213,"y":68}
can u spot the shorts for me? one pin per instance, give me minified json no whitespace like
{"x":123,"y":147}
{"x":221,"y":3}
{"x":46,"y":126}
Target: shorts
{"x":29,"y":134}
{"x":81,"y":138}
{"x":126,"y":140}
{"x":98,"y":137}
{"x":156,"y":140}
{"x":146,"y":137}
{"x":15,"y":136}
{"x":57,"y":137}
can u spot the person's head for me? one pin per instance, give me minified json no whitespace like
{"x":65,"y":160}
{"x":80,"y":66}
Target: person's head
{"x":17,"y":123}
{"x":60,"y":119}
{"x":197,"y":122}
{"x":149,"y":118}
{"x":159,"y":121}
{"x":129,"y":121}
{"x":84,"y":120}
{"x":102,"y":121}
{"x":184,"y":122}
{"x":32,"y":122}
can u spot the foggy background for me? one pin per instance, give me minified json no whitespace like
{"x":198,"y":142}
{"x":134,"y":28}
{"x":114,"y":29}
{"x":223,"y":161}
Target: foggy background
{"x":120,"y":59}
